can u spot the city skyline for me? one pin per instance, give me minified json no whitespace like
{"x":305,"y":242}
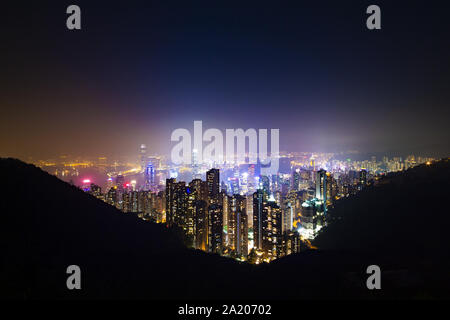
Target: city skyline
{"x":218,"y":158}
{"x":237,"y":211}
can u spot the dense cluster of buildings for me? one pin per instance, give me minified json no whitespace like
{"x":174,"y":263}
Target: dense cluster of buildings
{"x":259,"y":226}
{"x":236,"y":211}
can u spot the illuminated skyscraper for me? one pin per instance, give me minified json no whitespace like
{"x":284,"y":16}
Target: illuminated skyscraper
{"x":96,"y":191}
{"x":200,"y":189}
{"x":212,"y":179}
{"x":143,"y":156}
{"x":180,"y":203}
{"x":225,"y":200}
{"x":288,"y":214}
{"x":242,"y":233}
{"x":201,"y":225}
{"x":267,"y":226}
{"x":176,"y":203}
{"x":133,"y":205}
{"x":313,"y":164}
{"x":237,"y":225}
{"x":290,"y":243}
{"x":195,"y":165}
{"x":265,"y":184}
{"x":125,"y":204}
{"x":295,"y":180}
{"x":258,"y":202}
{"x":111,"y":197}
{"x":215,"y":228}
{"x":362,"y":179}
{"x":251,"y":179}
{"x":190,"y":211}
{"x":149,"y":177}
{"x":169,"y":201}
{"x":250,"y":220}
{"x":321,"y":185}
{"x":308,"y":219}
{"x":272,"y":229}
{"x":120,"y":180}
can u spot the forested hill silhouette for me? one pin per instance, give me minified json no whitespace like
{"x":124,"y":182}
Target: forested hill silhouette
{"x":47,"y":225}
{"x":406,"y":214}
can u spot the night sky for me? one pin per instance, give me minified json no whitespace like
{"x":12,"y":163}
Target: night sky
{"x":138,"y":70}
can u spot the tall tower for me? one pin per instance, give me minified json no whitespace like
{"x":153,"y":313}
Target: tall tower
{"x":195,"y":165}
{"x":237,"y":225}
{"x":258,"y":203}
{"x":321,"y":185}
{"x":143,"y":156}
{"x":149,"y":177}
{"x":201,"y":225}
{"x":225,"y":201}
{"x":169,"y":200}
{"x":215,"y":228}
{"x":212,"y":179}
{"x":296,"y":180}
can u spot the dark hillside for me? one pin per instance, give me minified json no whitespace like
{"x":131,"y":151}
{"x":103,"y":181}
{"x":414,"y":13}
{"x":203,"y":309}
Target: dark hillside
{"x":405,"y":214}
{"x":47,"y":225}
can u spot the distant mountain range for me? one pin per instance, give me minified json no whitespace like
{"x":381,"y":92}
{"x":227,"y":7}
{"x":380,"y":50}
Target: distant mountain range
{"x":46,"y":225}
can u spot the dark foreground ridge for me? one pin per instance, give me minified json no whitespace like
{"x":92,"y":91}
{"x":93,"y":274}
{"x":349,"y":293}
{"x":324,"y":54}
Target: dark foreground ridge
{"x":47,"y":225}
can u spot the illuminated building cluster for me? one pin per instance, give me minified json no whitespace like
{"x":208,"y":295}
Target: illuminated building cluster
{"x":232,"y":209}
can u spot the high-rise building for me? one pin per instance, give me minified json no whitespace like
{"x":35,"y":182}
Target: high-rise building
{"x":275,"y":228}
{"x":237,"y":225}
{"x":290,"y":243}
{"x":321,"y":185}
{"x":190,"y":211}
{"x":258,"y":202}
{"x":288,"y":216}
{"x":249,"y":210}
{"x":362,"y":179}
{"x":143,"y":156}
{"x":180,"y":203}
{"x":295,"y":181}
{"x":120,"y":180}
{"x":125,"y":204}
{"x":308,"y":219}
{"x":200,"y":189}
{"x":195,"y":165}
{"x":170,"y":189}
{"x":197,"y":213}
{"x":267,"y":226}
{"x":149,"y":177}
{"x":133,"y":204}
{"x":215,"y":228}
{"x":265,"y":184}
{"x":251,"y":179}
{"x":176,"y":203}
{"x":201,"y":225}
{"x":96,"y":191}
{"x":111,"y":197}
{"x":213,"y":180}
{"x":225,"y":201}
{"x":242,"y":233}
